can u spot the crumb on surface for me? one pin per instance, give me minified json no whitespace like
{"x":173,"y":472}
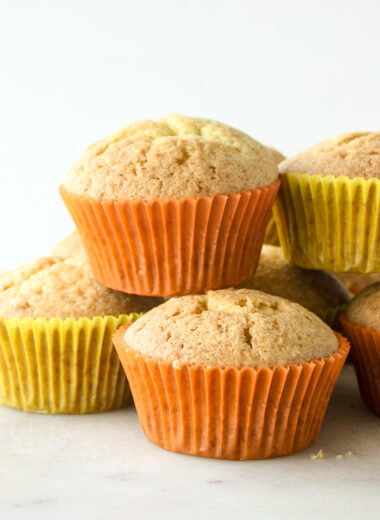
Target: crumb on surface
{"x":319,"y":455}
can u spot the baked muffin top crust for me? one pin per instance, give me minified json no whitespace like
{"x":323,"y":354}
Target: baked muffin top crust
{"x":315,"y":290}
{"x":364,"y":309}
{"x":357,"y":281}
{"x":176,"y":157}
{"x":54,"y":287}
{"x":71,"y":245}
{"x":355,"y":154}
{"x":276,"y":154}
{"x":231,"y":327}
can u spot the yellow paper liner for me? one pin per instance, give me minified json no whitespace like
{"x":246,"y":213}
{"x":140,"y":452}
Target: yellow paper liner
{"x":170,"y":247}
{"x":330,"y":315}
{"x":271,"y":236}
{"x":62,"y":365}
{"x":231,"y":413}
{"x":365,"y":355}
{"x":327,"y":222}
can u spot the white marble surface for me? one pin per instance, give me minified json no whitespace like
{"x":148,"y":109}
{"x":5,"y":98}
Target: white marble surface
{"x":102,"y":467}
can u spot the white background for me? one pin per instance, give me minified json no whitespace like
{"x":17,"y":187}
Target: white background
{"x":101,"y":467}
{"x":288,"y":72}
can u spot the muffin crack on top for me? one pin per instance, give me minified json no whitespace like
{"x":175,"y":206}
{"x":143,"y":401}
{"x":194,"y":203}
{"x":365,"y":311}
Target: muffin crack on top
{"x":54,"y":287}
{"x":176,"y":156}
{"x":316,"y":290}
{"x":16,"y":277}
{"x":231,"y":327}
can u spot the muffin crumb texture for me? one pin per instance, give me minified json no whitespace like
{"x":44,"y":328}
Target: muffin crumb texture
{"x":231,"y":328}
{"x":319,"y":455}
{"x":63,"y":288}
{"x":313,"y":289}
{"x":176,"y":156}
{"x":364,"y":309}
{"x":355,"y":154}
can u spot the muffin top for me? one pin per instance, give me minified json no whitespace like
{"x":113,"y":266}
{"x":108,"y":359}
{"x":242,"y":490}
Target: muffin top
{"x":231,"y":327}
{"x":277,"y":156}
{"x":63,"y":288}
{"x":176,"y":156}
{"x":364,"y":309}
{"x":355,"y":154}
{"x":315,"y":290}
{"x":356,"y":282}
{"x":71,"y":245}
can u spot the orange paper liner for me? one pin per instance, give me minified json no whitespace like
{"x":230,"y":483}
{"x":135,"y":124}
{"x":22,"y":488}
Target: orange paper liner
{"x":365,"y":355}
{"x":230,"y":413}
{"x":171,"y":247}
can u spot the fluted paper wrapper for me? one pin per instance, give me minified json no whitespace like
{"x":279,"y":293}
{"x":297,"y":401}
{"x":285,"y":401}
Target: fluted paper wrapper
{"x":365,"y":355}
{"x":62,"y":365}
{"x":171,"y":247}
{"x":271,"y":236}
{"x":327,"y":222}
{"x":231,"y":413}
{"x":330,"y":315}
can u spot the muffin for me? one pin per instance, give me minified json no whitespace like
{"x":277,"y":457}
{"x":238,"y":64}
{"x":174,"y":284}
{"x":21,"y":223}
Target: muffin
{"x":71,"y":245}
{"x":318,"y":291}
{"x":357,"y":282}
{"x":328,"y":210}
{"x":271,"y":236}
{"x":56,"y":326}
{"x":277,"y":156}
{"x":239,"y":374}
{"x":361,"y":325}
{"x":173,"y":206}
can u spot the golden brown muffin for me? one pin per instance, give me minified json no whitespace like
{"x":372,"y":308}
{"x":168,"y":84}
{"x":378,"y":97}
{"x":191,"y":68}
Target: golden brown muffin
{"x":357,"y":282}
{"x":277,"y":156}
{"x":355,"y":154}
{"x":231,"y":327}
{"x":327,"y":210}
{"x":364,"y":309}
{"x":56,"y":287}
{"x":176,"y":157}
{"x":71,"y":245}
{"x":314,"y":290}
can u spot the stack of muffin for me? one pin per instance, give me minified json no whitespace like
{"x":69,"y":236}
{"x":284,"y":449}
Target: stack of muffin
{"x":237,"y":359}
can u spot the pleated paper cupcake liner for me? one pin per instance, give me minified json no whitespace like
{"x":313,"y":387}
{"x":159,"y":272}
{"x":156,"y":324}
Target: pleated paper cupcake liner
{"x":271,"y":236}
{"x":365,"y":355}
{"x":327,"y":222}
{"x":231,"y":413}
{"x":62,"y":365}
{"x":172,"y":247}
